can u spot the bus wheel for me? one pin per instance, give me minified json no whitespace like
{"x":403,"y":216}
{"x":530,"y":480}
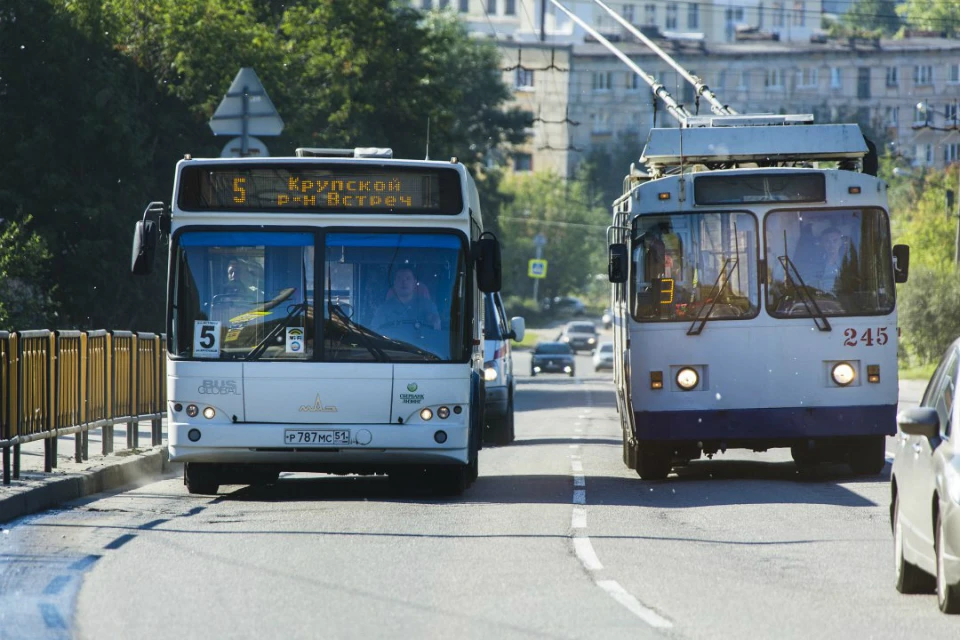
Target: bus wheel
{"x":867,"y":455}
{"x":201,"y":478}
{"x":449,"y":479}
{"x":804,"y":456}
{"x":263,"y":477}
{"x":653,"y":461}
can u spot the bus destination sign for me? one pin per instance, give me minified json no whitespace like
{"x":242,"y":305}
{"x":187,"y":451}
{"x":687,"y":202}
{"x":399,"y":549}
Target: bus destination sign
{"x":320,"y":189}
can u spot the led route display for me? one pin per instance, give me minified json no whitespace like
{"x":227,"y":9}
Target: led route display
{"x":320,"y":188}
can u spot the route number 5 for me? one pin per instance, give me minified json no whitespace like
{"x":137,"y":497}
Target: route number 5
{"x":869,"y":337}
{"x":206,"y":339}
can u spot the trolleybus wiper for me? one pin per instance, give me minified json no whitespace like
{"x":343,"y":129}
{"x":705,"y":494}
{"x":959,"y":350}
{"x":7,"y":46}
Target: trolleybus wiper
{"x":718,"y":288}
{"x":818,"y":317}
{"x":258,"y":350}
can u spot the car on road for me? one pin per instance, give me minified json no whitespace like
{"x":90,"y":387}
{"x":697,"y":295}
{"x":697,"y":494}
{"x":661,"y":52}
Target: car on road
{"x":553,"y":357}
{"x":500,"y":384}
{"x":603,"y":357}
{"x":580,"y":335}
{"x":925,"y":490}
{"x":567,"y":306}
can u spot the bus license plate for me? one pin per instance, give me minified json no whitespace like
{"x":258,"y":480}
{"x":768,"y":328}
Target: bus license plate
{"x":321,"y":437}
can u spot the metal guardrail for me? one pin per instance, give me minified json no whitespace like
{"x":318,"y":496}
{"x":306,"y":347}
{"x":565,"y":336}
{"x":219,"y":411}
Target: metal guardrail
{"x":54,"y":383}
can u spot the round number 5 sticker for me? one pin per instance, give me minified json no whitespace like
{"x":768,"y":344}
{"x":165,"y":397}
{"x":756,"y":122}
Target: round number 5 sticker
{"x":206,"y":339}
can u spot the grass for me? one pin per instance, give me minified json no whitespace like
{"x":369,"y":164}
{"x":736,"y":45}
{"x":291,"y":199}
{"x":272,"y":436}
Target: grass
{"x":920,"y":372}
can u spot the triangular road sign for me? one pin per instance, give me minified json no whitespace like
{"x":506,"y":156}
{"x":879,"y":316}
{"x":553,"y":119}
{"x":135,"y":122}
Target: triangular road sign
{"x":246,"y":100}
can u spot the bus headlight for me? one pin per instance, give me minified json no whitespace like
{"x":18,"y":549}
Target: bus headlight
{"x":489,"y":371}
{"x":687,"y":378}
{"x":843,"y":374}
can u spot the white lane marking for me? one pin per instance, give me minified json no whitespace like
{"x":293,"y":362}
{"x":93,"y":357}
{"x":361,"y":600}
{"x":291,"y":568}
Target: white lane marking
{"x":574,"y":446}
{"x":576,"y":465}
{"x":579,"y":496}
{"x":586,"y":554}
{"x":579,"y":518}
{"x":579,"y":481}
{"x":576,"y":438}
{"x":621,"y":595}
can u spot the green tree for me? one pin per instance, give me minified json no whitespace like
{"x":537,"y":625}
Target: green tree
{"x":873,"y":15}
{"x":25,"y":295}
{"x":932,"y":15}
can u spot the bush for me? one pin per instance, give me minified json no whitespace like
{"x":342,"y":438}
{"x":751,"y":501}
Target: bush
{"x":929,"y":307}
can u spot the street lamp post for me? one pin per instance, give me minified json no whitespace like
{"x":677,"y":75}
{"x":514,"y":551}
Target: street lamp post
{"x":539,"y":242}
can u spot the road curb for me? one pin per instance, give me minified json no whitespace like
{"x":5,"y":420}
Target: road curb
{"x":53,"y":491}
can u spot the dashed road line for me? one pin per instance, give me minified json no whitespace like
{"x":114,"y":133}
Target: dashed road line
{"x":622,"y":596}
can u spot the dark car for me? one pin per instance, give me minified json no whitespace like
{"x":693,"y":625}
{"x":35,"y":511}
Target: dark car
{"x":581,"y":336}
{"x":567,"y":306}
{"x":925,"y":490}
{"x":553,"y":357}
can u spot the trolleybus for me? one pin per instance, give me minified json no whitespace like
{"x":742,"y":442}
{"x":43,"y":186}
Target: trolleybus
{"x":754,"y":295}
{"x":324,"y":314}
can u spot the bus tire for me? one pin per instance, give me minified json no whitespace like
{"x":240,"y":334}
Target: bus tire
{"x":804,"y":457}
{"x":449,"y":480}
{"x":201,"y":478}
{"x":867,"y":456}
{"x":653,"y":461}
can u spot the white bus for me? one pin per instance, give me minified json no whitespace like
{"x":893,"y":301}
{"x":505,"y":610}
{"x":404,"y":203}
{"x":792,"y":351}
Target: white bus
{"x":754,"y":297}
{"x":324,"y":314}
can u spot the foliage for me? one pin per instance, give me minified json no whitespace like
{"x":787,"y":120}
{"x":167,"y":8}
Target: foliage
{"x":25,"y":301}
{"x":873,"y":15}
{"x":929,"y":312}
{"x":932,"y":15}
{"x":605,"y":167}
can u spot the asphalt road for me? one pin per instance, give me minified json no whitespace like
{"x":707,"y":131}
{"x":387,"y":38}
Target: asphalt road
{"x":557,"y":539}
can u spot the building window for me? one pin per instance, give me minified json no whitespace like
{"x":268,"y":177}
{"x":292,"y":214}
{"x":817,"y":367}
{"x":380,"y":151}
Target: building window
{"x":923,"y":74}
{"x":893,"y":76}
{"x":524,"y":79}
{"x":808,"y":78}
{"x":672,"y":11}
{"x":760,"y":16}
{"x":892,"y":117}
{"x":650,"y":14}
{"x":774,"y":79}
{"x":628,"y":13}
{"x":522,"y":162}
{"x":744,"y":81}
{"x":633,"y":81}
{"x":492,"y":7}
{"x":955,"y":73}
{"x":444,"y":4}
{"x":835,"y":78}
{"x":464,"y":6}
{"x":427,"y":5}
{"x":778,"y":14}
{"x":509,"y":7}
{"x":693,"y":15}
{"x":863,"y":83}
{"x":600,"y":122}
{"x":799,"y":14}
{"x":721,"y":80}
{"x":950,"y":152}
{"x":602,"y":80}
{"x":950,"y":114}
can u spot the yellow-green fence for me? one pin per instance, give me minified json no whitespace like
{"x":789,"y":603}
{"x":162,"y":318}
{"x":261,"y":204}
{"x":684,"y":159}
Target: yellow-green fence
{"x":54,"y":383}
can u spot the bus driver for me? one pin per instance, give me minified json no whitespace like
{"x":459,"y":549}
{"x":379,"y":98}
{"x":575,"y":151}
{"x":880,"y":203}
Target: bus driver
{"x":406,"y":304}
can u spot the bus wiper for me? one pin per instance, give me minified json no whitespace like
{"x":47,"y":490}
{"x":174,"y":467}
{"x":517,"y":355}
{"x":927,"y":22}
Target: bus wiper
{"x":359,"y":330}
{"x":804,"y":294}
{"x":718,"y":287}
{"x":294,"y":309}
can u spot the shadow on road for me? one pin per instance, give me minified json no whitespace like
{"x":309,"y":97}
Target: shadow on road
{"x":562,"y":394}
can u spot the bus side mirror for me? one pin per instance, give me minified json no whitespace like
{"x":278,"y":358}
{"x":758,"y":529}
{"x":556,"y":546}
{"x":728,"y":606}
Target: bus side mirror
{"x":145,"y":238}
{"x":146,"y":235}
{"x":518,"y":327}
{"x":901,"y":262}
{"x":489,"y":271}
{"x":617,"y":264}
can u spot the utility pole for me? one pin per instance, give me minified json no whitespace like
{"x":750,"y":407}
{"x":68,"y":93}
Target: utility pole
{"x":543,"y":36}
{"x":539,"y":241}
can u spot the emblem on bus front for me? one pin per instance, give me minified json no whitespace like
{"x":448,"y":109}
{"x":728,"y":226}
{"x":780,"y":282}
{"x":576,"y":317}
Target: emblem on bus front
{"x":412,"y":387}
{"x":317,"y":407}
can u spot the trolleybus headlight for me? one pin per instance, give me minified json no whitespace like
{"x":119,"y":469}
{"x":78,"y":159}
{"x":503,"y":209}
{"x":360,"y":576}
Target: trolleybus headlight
{"x":443,"y":413}
{"x":843,"y":374}
{"x":489,"y":371}
{"x":687,"y":378}
{"x":426,"y":413}
{"x":209,"y":412}
{"x":192,"y":410}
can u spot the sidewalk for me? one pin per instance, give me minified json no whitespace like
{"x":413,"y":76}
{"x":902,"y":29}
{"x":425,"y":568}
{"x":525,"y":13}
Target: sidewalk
{"x":36,"y":490}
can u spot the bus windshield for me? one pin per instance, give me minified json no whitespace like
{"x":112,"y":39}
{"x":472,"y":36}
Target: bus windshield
{"x":840,"y":259}
{"x":257,"y":295}
{"x":693,"y":266}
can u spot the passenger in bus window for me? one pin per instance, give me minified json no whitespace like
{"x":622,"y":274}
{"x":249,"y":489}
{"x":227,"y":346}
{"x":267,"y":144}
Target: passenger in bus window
{"x":236,"y":282}
{"x":407,"y":303}
{"x":837,"y":269}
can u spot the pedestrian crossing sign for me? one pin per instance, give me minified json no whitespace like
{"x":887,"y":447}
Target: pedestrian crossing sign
{"x":537,"y":268}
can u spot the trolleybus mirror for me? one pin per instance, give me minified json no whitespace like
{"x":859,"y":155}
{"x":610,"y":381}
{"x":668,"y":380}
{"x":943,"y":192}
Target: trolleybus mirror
{"x":144,"y":247}
{"x":901,"y":262}
{"x":617,"y":265}
{"x":488,"y":263}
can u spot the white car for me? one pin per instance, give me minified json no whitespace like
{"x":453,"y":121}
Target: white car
{"x":498,"y":369}
{"x":603,"y":357}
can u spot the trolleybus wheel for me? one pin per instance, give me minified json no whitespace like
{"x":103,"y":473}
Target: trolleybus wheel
{"x":867,"y":455}
{"x":200,"y":478}
{"x":910,"y":578}
{"x":653,"y":461}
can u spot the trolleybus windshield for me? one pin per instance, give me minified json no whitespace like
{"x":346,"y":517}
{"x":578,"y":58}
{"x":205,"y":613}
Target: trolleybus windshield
{"x":841,"y":258}
{"x":257,"y":295}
